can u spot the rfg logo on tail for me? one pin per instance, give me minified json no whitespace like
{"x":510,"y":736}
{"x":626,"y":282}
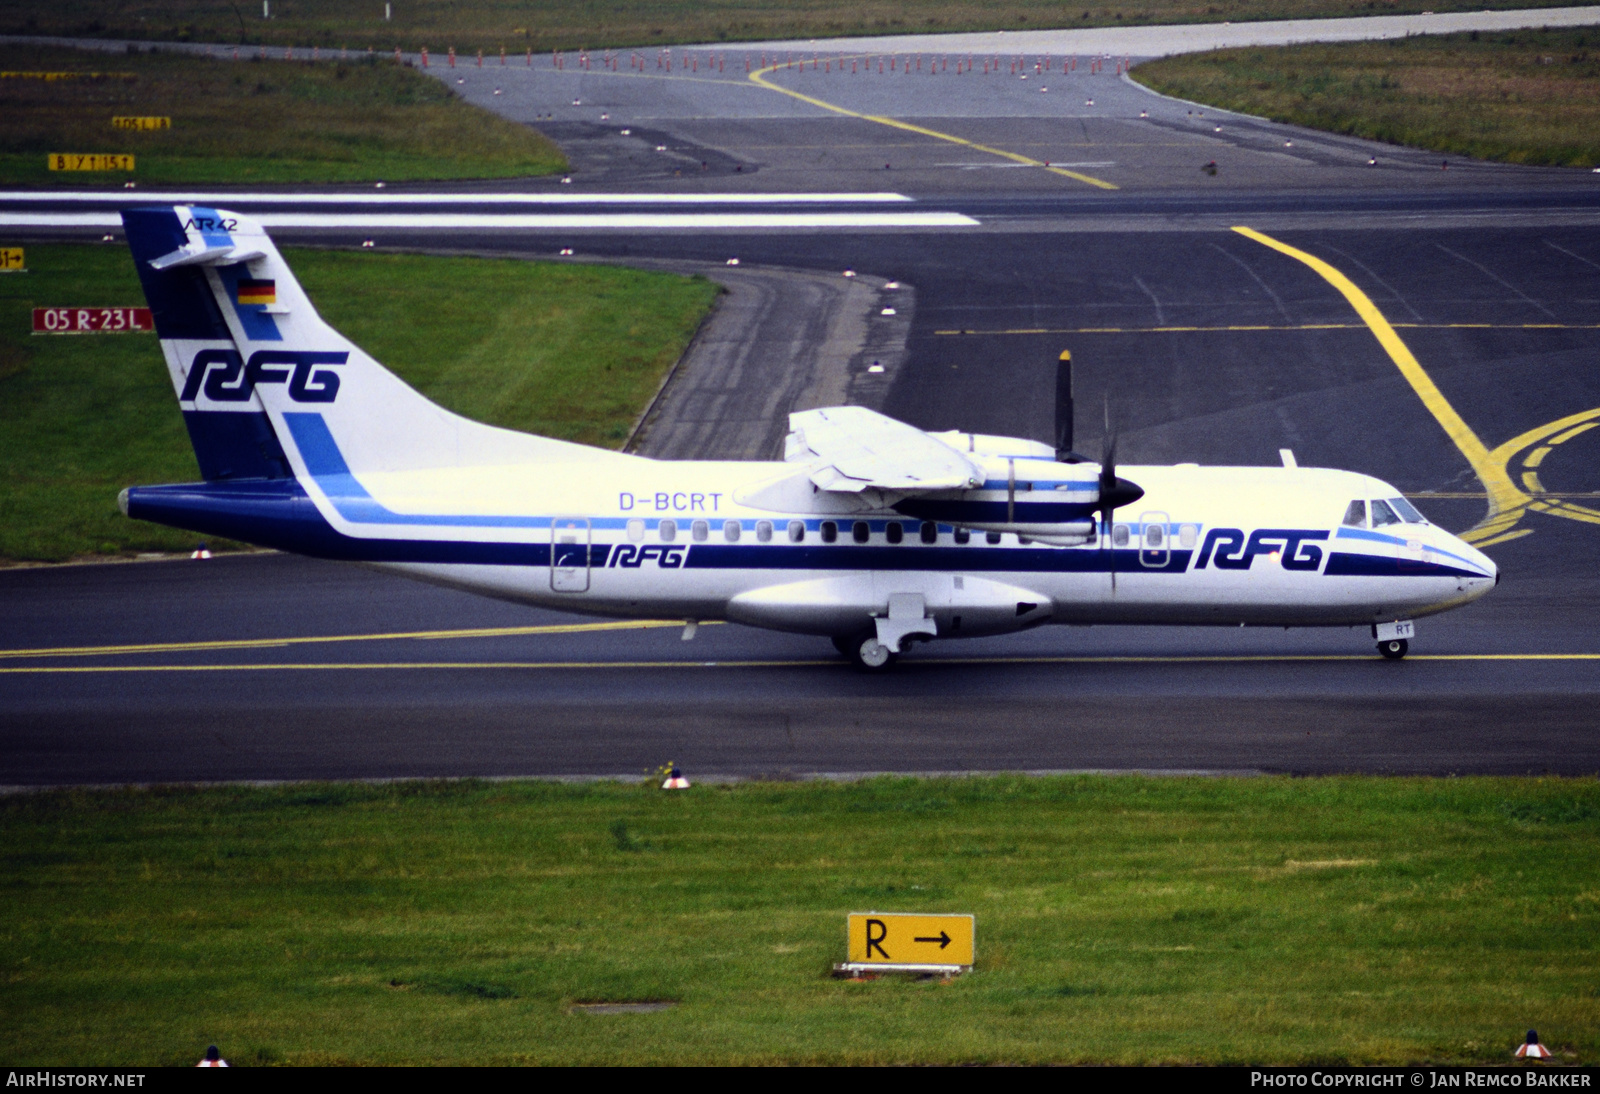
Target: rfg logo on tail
{"x":228,"y":378}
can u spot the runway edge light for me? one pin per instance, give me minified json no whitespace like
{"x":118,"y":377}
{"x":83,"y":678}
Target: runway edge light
{"x":908,"y":942}
{"x":675,"y":780}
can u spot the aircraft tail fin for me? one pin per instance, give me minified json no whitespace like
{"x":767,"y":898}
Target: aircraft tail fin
{"x":268,"y":389}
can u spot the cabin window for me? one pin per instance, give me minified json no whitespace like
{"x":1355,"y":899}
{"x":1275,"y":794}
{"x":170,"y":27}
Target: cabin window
{"x":860,"y":531}
{"x":1119,"y":535}
{"x":1382,"y":514}
{"x":797,"y":531}
{"x":1407,"y":511}
{"x":930,"y":532}
{"x":963,"y":536}
{"x":992,"y":537}
{"x":1188,"y":535}
{"x":636,"y":531}
{"x":764,"y":531}
{"x":700,"y":530}
{"x":830,"y":531}
{"x":730,"y":531}
{"x":669,"y":531}
{"x":1155,"y":536}
{"x":1356,"y":515}
{"x":894,"y":533}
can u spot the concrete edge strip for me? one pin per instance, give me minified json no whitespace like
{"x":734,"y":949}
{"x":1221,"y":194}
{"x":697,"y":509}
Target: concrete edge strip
{"x":1131,"y":82}
{"x":16,"y":790}
{"x":1129,"y":41}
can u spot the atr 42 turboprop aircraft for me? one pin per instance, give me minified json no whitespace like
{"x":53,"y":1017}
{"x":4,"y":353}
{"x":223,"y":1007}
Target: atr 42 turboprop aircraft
{"x":869,"y":532}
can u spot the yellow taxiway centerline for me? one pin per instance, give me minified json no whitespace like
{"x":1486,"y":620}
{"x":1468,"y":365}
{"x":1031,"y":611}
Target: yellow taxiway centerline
{"x":1258,"y":328}
{"x":756,"y":77}
{"x":1506,"y":502}
{"x":1546,"y":437}
{"x":1179,"y":659}
{"x":270,"y":643}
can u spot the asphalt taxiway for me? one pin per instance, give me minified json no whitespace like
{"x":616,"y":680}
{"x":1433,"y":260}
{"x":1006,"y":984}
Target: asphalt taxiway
{"x":1206,"y":343}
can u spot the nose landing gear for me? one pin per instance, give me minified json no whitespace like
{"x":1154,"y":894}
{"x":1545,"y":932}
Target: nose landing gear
{"x":1393,"y":637}
{"x":1394,"y":648}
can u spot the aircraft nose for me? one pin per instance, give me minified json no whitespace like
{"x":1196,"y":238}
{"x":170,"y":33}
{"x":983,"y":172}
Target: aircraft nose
{"x":1483,"y":561}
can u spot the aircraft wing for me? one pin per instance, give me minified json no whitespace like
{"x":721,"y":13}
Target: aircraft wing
{"x":859,"y":449}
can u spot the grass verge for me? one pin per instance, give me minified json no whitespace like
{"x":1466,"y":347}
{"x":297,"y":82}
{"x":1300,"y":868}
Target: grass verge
{"x":1120,"y":919}
{"x":1523,"y":97}
{"x":572,"y":24}
{"x":567,"y":351}
{"x":252,"y":122}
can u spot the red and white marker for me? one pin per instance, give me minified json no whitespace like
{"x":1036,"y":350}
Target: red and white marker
{"x":1531,"y":1049}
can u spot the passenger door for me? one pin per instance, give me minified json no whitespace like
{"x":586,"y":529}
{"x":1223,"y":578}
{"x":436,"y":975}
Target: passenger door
{"x":1154,"y":550}
{"x":569,"y":554}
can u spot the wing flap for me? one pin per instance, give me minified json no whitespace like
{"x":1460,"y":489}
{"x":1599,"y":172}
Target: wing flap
{"x":859,"y":449}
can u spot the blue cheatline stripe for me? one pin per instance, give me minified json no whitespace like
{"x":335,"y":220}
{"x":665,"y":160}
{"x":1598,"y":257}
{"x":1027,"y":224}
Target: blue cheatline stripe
{"x":970,"y":559}
{"x":1346,"y":532}
{"x":326,"y":464}
{"x":279,"y":513}
{"x":1341,"y":564}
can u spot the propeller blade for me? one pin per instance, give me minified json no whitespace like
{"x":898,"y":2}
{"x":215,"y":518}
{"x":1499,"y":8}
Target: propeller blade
{"x":1108,"y":482}
{"x":1114,"y":492}
{"x":1064,"y":408}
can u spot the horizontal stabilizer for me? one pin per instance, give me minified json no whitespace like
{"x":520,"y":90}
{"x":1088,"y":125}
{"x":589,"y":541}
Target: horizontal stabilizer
{"x":859,"y":449}
{"x":203,"y":254}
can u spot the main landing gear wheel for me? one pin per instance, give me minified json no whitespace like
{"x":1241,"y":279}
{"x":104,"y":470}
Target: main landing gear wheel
{"x":866,"y":652}
{"x":1394,"y":648}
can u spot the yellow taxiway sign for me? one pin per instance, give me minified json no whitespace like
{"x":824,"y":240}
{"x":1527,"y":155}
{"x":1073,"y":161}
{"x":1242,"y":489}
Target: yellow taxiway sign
{"x":897,"y":938}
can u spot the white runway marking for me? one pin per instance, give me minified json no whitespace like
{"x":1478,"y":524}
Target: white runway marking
{"x":510,"y":221}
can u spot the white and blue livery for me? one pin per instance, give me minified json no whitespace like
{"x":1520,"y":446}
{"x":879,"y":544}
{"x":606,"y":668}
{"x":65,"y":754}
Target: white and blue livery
{"x":869,"y":532}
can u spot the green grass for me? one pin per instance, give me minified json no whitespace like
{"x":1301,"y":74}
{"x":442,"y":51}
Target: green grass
{"x":1119,"y":920}
{"x":570,"y":24}
{"x":1524,"y":97}
{"x":567,"y":351}
{"x":252,"y":122}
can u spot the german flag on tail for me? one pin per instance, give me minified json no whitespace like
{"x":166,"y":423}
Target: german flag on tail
{"x":257,"y":292}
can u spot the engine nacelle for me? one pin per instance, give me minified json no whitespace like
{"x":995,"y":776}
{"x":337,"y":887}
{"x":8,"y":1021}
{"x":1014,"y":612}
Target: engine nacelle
{"x":1025,"y":491}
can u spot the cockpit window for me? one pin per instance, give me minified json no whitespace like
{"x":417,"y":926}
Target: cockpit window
{"x":1382,"y":514}
{"x":1407,"y":511}
{"x":1356,"y":515}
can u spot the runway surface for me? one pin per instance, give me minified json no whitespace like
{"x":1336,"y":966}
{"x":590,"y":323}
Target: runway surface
{"x":1207,"y":344}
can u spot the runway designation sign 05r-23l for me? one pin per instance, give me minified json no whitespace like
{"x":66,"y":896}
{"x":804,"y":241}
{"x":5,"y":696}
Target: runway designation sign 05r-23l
{"x":892,"y":938}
